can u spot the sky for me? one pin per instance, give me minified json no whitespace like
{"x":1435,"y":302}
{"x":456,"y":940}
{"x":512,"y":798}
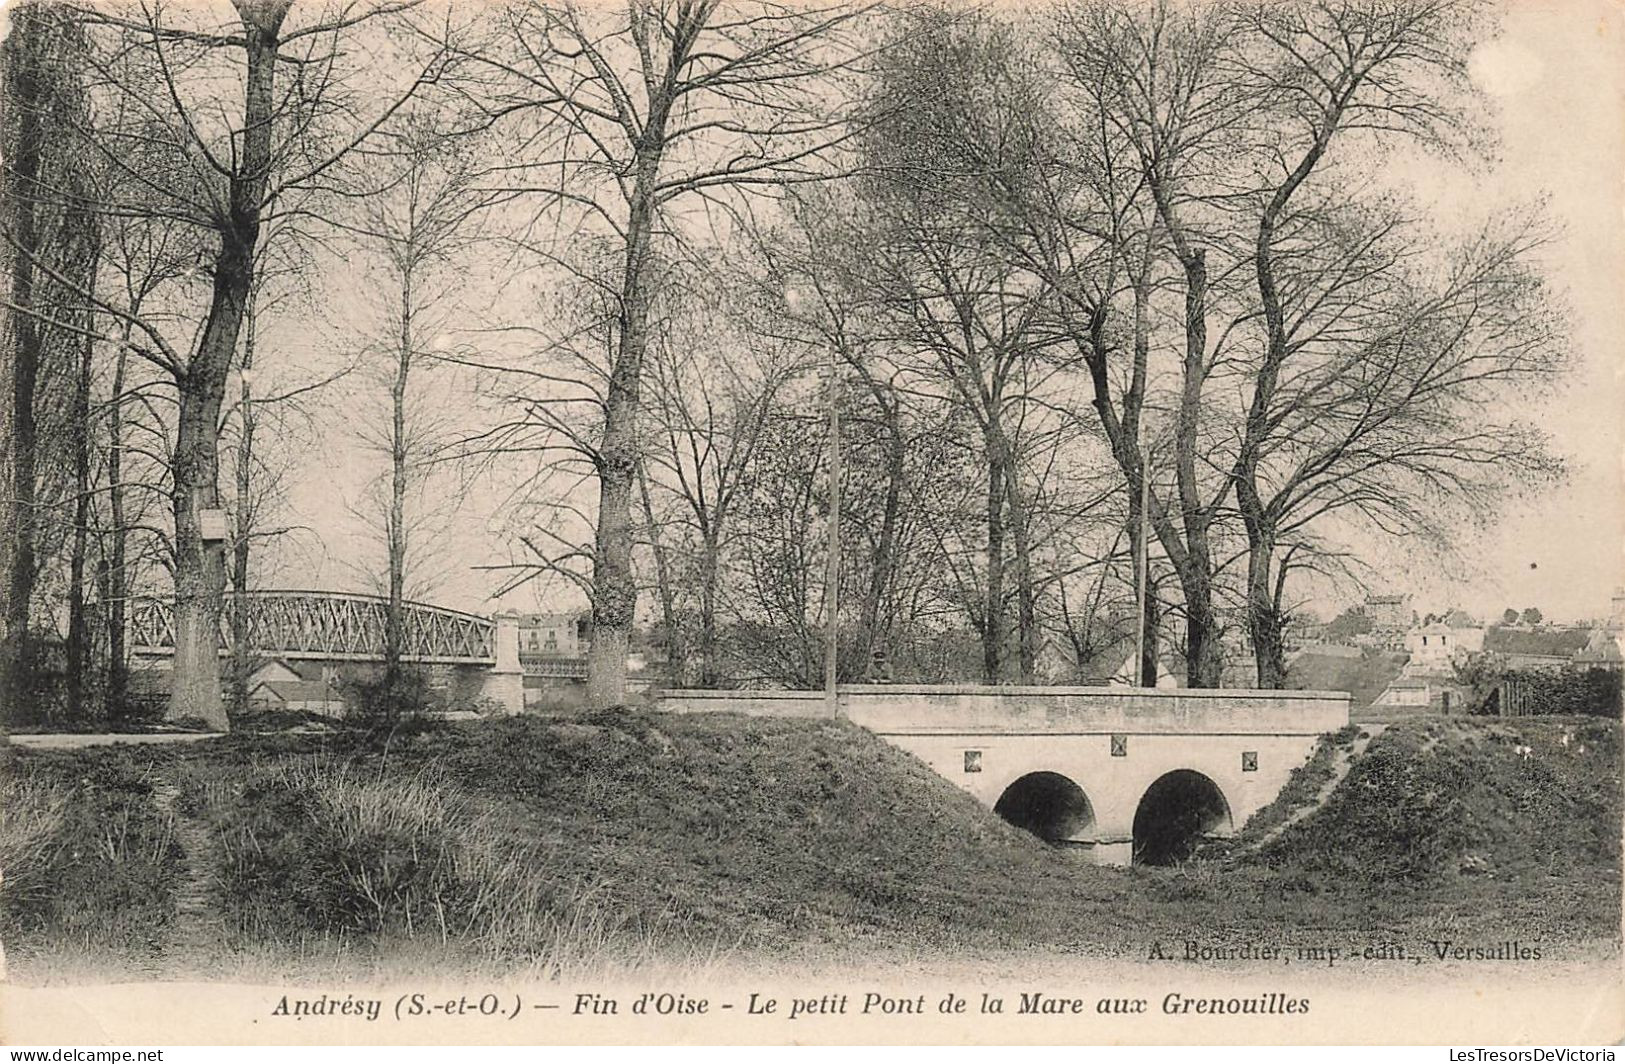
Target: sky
{"x":1554,"y":77}
{"x":1557,"y":76}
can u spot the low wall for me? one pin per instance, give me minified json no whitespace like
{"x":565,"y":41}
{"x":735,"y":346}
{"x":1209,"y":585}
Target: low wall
{"x":908,"y":709}
{"x":750,"y":703}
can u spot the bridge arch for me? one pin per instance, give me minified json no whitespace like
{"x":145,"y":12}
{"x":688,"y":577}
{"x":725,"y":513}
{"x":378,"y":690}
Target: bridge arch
{"x":1176,"y":811}
{"x":1048,"y":804}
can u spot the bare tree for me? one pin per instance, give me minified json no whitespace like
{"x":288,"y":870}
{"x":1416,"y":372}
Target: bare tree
{"x":629,"y":114}
{"x":1363,"y":76}
{"x":79,"y":619}
{"x":194,"y":163}
{"x":1058,"y":198}
{"x":144,"y":257}
{"x":962,"y":305}
{"x":712,"y":389}
{"x":421,"y":224}
{"x":1381,"y":413}
{"x":27,"y":88}
{"x":51,"y":251}
{"x":1166,"y":96}
{"x":972,"y":318}
{"x":818,"y":279}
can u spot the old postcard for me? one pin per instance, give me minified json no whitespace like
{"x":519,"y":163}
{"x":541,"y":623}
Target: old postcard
{"x":729,"y":521}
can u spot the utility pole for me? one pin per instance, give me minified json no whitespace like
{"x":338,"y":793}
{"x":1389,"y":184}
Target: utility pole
{"x":832,"y":574}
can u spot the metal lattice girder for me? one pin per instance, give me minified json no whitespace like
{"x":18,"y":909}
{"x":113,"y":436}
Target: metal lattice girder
{"x":152,"y":624}
{"x":554,"y":667}
{"x":329,"y":626}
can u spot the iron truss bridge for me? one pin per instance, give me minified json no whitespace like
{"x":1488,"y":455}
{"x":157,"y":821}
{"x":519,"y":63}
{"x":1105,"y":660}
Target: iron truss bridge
{"x":328,"y":626}
{"x":554,"y":668}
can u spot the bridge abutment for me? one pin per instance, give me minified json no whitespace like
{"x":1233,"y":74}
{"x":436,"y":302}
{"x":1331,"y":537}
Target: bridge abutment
{"x":505,"y":683}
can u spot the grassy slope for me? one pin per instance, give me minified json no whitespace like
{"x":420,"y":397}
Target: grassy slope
{"x":87,"y":857}
{"x":1473,"y":815}
{"x":632,"y":834}
{"x":1364,"y":677}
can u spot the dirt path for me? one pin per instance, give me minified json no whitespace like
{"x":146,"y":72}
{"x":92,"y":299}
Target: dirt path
{"x":76,"y":741}
{"x":1340,"y":769}
{"x":193,"y":939}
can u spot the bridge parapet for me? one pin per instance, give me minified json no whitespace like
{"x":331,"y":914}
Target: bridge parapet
{"x":911,"y":709}
{"x":923,"y":710}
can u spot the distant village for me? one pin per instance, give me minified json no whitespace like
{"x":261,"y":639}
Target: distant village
{"x":1387,"y":656}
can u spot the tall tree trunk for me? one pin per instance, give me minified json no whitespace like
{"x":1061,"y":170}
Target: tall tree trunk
{"x":1123,"y":434}
{"x":1261,"y":518}
{"x":199,"y":563}
{"x":1026,"y":607}
{"x":1135,"y":462}
{"x":1141,"y":561}
{"x":78,"y":649}
{"x":1026,"y":591}
{"x":199,"y":567}
{"x":614,"y":585}
{"x":1264,"y":621}
{"x":1204,"y":662}
{"x":393,"y":620}
{"x":677,"y":670}
{"x":26,"y":89}
{"x":993,"y":600}
{"x":1192,"y":559}
{"x":104,"y":593}
{"x":872,"y":648}
{"x":710,"y":575}
{"x":242,"y":657}
{"x":1150,"y":652}
{"x":117,"y":690}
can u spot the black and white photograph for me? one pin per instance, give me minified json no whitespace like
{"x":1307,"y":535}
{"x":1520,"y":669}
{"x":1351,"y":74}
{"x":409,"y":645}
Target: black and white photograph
{"x":541,"y":522}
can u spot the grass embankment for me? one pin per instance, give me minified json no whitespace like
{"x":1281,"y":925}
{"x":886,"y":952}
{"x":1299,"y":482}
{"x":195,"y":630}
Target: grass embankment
{"x":628,"y":837}
{"x":1533,"y":803}
{"x":1364,"y":674}
{"x":89,"y":861}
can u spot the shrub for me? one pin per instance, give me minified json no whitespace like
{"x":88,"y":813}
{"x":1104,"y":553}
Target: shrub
{"x":34,"y":813}
{"x":1441,"y":799}
{"x":1591,"y":692}
{"x":316,"y":850}
{"x":88,"y":857}
{"x":40,"y":701}
{"x":390,"y":702}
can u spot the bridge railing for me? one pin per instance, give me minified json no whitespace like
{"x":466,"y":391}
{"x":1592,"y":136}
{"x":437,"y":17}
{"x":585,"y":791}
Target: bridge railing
{"x":327,"y":625}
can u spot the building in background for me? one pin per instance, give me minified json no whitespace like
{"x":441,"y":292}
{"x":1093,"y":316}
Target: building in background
{"x":1605,"y":650}
{"x":555,"y":635}
{"x":1439,"y":644}
{"x":1391,"y":617}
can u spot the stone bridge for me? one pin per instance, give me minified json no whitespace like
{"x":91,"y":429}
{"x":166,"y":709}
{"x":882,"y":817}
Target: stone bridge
{"x":1121,"y":773}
